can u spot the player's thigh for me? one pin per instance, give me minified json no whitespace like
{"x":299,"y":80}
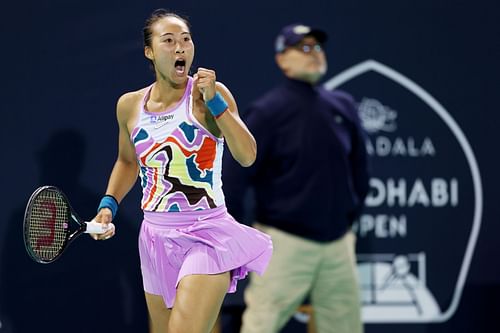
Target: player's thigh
{"x":158,"y":313}
{"x":197,"y":302}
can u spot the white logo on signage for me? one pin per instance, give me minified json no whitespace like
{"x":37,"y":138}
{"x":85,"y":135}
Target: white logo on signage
{"x":376,"y":117}
{"x":389,"y":286}
{"x":394,"y":286}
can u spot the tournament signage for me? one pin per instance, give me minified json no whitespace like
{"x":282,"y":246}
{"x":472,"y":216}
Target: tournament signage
{"x":424,"y":209}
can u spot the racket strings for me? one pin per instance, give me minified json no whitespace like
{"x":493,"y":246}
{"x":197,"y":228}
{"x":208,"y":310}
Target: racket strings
{"x":47,"y":228}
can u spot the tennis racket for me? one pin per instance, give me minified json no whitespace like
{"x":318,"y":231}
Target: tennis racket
{"x":50,"y":225}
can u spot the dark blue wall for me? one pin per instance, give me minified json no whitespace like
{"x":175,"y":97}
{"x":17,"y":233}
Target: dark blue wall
{"x":65,"y":63}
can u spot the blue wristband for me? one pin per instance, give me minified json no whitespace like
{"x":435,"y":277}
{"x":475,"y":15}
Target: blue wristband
{"x":108,"y":201}
{"x":217,"y":105}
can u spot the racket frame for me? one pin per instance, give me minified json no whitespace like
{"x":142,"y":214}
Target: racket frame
{"x":70,"y":236}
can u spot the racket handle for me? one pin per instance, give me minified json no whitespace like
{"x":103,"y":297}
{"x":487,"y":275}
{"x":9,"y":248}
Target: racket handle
{"x":94,"y":227}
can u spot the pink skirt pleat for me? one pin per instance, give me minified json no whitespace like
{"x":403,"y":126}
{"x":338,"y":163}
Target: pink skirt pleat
{"x":174,"y":245}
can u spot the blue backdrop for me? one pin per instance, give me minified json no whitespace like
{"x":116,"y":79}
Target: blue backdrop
{"x":426,"y":77}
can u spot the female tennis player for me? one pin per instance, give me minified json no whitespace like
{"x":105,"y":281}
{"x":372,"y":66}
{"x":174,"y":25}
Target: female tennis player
{"x":172,"y":134}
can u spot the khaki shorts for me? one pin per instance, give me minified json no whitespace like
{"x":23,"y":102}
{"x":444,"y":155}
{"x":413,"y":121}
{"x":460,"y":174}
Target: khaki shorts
{"x":326,"y":272}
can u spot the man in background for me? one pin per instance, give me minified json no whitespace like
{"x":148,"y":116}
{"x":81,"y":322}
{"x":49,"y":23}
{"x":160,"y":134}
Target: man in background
{"x":310,"y":180}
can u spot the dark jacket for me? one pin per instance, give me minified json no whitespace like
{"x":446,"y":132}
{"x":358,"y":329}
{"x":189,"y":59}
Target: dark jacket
{"x":310,"y":177}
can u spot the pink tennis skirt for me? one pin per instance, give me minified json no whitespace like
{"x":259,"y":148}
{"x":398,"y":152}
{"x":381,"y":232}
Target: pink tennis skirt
{"x":175,"y":244}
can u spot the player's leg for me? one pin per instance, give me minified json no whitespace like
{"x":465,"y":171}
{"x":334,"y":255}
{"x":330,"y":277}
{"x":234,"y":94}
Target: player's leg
{"x":197,"y":303}
{"x":158,"y":313}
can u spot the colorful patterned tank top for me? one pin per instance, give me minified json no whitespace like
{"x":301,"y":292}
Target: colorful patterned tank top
{"x":180,"y":161}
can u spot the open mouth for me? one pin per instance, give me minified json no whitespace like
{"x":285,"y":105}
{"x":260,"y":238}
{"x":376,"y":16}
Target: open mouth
{"x":180,"y":66}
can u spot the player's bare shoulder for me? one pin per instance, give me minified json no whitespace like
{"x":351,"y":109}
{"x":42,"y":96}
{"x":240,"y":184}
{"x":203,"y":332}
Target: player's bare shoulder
{"x":128,"y":105}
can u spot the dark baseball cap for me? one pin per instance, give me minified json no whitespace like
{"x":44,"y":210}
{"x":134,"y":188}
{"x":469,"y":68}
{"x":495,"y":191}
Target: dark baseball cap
{"x":292,"y":34}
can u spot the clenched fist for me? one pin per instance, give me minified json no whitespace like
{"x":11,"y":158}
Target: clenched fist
{"x":204,"y":81}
